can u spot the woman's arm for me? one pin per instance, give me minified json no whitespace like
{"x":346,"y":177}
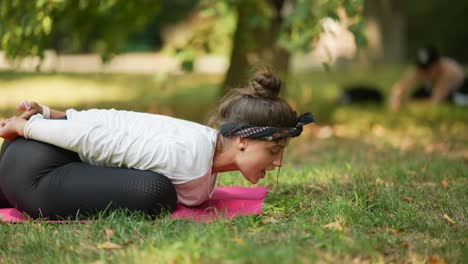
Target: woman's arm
{"x":97,"y":143}
{"x":441,"y":89}
{"x":401,"y":87}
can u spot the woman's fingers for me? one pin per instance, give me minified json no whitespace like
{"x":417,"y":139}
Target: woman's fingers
{"x":21,"y":106}
{"x":28,"y":108}
{"x":26,"y":105}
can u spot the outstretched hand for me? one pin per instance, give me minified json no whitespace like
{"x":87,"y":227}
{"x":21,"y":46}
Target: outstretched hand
{"x":394,"y":103}
{"x":12,"y":128}
{"x":29,"y":109}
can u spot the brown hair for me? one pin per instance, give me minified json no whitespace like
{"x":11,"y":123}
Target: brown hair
{"x":257,"y":104}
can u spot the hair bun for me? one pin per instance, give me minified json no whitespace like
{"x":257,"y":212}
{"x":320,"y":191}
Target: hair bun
{"x":266,"y":84}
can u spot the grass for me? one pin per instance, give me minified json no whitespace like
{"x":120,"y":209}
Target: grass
{"x":364,"y":185}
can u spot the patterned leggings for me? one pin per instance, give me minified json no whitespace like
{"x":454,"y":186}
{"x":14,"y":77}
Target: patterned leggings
{"x":46,"y":181}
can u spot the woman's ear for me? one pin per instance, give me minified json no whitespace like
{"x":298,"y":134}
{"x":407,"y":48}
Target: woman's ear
{"x":241,"y":143}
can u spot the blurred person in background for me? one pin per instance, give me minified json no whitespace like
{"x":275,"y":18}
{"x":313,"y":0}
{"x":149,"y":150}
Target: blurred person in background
{"x":439,"y":78}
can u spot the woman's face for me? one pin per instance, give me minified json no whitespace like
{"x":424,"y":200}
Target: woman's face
{"x":259,"y":156}
{"x":430,"y":73}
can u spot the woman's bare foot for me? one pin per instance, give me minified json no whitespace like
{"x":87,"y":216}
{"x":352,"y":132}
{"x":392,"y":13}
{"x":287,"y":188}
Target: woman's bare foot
{"x":12,"y":128}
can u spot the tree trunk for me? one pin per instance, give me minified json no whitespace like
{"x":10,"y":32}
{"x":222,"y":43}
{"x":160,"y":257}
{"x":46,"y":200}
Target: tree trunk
{"x":255,"y":47}
{"x":385,"y":29}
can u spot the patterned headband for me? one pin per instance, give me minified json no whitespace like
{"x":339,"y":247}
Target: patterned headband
{"x":269,"y":133}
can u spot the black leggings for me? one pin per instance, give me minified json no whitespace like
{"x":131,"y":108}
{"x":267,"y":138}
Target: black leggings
{"x":46,"y":181}
{"x":423,"y":92}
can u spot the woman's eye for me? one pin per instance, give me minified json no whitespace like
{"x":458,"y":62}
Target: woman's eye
{"x":274,"y":152}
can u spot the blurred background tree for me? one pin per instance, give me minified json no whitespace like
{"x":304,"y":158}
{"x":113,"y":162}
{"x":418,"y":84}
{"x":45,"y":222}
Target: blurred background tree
{"x":397,"y":28}
{"x":249,"y":32}
{"x":28,"y":28}
{"x":266,"y":31}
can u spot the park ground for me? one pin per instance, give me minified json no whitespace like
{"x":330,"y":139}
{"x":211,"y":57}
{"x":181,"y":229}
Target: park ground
{"x":363,"y":185}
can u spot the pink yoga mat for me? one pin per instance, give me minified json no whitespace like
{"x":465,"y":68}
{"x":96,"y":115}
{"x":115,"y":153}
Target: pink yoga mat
{"x":226,"y":202}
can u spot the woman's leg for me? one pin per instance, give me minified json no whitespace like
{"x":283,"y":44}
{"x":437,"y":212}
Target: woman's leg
{"x":460,"y":95}
{"x":45,"y":181}
{"x":3,"y":201}
{"x":422,"y":92}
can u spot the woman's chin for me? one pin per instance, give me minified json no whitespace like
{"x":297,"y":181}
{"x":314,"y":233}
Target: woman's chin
{"x":253,"y":180}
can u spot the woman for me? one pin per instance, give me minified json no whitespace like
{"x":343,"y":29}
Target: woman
{"x":440,"y":78}
{"x":255,"y":126}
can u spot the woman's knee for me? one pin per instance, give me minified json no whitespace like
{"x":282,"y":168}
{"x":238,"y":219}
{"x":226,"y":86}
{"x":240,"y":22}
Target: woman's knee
{"x":24,"y":163}
{"x":157,"y":192}
{"x":34,"y":155}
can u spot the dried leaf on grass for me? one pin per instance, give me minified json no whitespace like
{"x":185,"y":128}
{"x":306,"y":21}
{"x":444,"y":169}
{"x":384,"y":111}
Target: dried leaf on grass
{"x":407,"y":198}
{"x":393,"y":231}
{"x":108,"y":245}
{"x":337,"y":225}
{"x":429,"y":184}
{"x":449,"y":220}
{"x":239,"y":241}
{"x":444,"y":183}
{"x":439,"y":147}
{"x":436,"y":260}
{"x":271,"y":220}
{"x":378,"y":130}
{"x":109,"y":233}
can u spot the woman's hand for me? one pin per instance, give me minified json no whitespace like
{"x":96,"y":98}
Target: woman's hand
{"x":12,"y":128}
{"x":29,"y":109}
{"x":394,"y":103}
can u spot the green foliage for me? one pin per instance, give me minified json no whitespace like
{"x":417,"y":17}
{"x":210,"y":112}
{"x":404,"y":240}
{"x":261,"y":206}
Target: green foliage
{"x":301,"y":18}
{"x":30,"y":27}
{"x":25,"y":26}
{"x":304,"y":25}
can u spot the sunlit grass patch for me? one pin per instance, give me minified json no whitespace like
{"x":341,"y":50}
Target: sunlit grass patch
{"x":362,"y":185}
{"x":62,"y":92}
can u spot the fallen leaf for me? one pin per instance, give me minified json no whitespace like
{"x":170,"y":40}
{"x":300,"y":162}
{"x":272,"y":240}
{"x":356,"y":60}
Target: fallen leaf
{"x":444,"y":183}
{"x":269,"y":220}
{"x":379,"y":181}
{"x":378,"y":130}
{"x":393,"y":230}
{"x":423,"y":169}
{"x":37,"y":227}
{"x":437,"y":148}
{"x":335,"y":225}
{"x":108,"y":245}
{"x":109,"y":233}
{"x":406,"y":198}
{"x":429,"y":184}
{"x":436,"y":260}
{"x":128,"y":242}
{"x":239,"y":241}
{"x":449,"y":220}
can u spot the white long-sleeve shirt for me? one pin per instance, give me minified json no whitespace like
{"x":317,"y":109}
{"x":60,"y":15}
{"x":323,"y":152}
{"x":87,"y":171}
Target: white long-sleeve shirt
{"x":179,"y":149}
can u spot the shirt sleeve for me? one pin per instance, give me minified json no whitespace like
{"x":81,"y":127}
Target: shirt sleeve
{"x":94,"y":143}
{"x":102,"y":116}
